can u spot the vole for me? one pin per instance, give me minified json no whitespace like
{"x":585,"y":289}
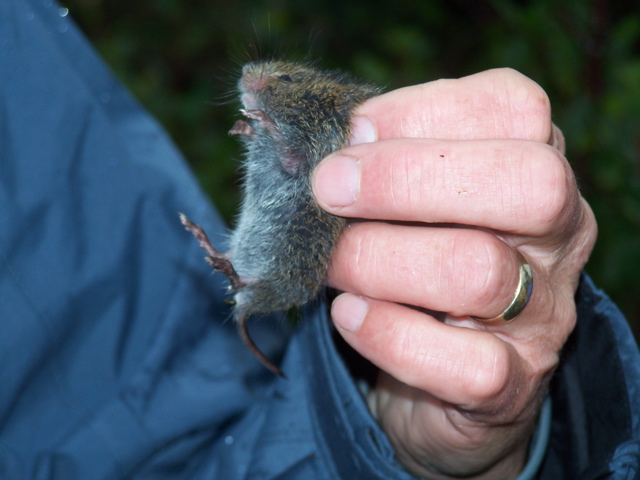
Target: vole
{"x":279,"y":251}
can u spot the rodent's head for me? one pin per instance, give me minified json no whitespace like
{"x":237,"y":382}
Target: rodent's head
{"x":307,"y":110}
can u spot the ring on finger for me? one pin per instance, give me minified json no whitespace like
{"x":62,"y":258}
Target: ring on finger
{"x":520,"y":298}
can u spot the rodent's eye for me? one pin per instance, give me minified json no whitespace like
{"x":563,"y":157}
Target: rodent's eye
{"x":285,"y":78}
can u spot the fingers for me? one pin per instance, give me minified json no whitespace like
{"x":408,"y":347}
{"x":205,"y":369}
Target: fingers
{"x":467,"y":171}
{"x":462,"y":366}
{"x":500,"y":103}
{"x":471,"y":175}
{"x":529,"y":190}
{"x":460,"y":271}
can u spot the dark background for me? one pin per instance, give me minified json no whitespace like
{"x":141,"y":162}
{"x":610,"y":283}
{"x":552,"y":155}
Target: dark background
{"x":181,"y":60}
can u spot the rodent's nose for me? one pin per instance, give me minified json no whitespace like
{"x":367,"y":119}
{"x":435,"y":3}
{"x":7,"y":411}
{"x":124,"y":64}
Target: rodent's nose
{"x":253,"y":80}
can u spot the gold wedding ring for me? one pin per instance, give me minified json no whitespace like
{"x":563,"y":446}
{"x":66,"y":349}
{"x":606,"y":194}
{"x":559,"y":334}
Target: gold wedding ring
{"x":520,"y":299}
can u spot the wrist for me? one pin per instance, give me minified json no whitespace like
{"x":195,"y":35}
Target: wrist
{"x":506,"y":468}
{"x":525,"y":469}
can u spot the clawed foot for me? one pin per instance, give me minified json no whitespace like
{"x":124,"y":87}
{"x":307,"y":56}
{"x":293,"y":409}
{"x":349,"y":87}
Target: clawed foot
{"x":216,"y":259}
{"x":222,"y":264}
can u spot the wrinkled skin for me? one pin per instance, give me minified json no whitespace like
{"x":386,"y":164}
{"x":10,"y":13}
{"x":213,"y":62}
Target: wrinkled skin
{"x":480,"y":157}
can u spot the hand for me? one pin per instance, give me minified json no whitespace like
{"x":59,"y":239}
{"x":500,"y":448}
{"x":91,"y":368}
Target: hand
{"x":459,"y":175}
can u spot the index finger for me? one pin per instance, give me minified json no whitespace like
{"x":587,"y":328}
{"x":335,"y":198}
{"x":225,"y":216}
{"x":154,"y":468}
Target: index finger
{"x":495,"y":104}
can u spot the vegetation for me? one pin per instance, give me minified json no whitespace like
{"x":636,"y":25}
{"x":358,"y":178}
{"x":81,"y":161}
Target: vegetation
{"x":181,"y":60}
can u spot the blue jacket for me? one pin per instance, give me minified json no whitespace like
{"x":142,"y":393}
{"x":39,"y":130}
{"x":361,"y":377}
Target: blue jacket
{"x":117,"y":356}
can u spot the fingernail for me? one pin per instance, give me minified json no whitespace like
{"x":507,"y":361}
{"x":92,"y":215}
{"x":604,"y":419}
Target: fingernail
{"x":362,"y":131}
{"x":348,"y":312}
{"x":337,"y":181}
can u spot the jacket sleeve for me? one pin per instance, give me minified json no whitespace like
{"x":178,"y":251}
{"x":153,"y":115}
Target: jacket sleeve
{"x":117,"y":357}
{"x":595,"y":429}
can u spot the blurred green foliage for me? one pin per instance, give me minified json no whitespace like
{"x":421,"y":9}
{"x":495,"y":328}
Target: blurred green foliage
{"x":181,"y":59}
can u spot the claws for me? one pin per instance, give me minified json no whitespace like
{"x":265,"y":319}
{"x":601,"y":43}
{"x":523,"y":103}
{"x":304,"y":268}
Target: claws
{"x":219,"y":261}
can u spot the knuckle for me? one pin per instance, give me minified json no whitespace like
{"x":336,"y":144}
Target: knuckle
{"x":346,"y":263}
{"x":488,"y":377}
{"x":406,"y":182}
{"x":359,"y":249}
{"x":394,"y":186}
{"x":529,"y":101}
{"x":553,"y":190}
{"x":482,"y":257}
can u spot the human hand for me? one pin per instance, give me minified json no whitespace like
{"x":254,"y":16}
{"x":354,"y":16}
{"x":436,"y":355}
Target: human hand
{"x":461,"y":175}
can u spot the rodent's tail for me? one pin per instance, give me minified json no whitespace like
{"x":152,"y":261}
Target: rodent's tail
{"x":248,"y":341}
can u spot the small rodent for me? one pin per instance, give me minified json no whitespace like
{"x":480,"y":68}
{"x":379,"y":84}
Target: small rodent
{"x":279,"y":251}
